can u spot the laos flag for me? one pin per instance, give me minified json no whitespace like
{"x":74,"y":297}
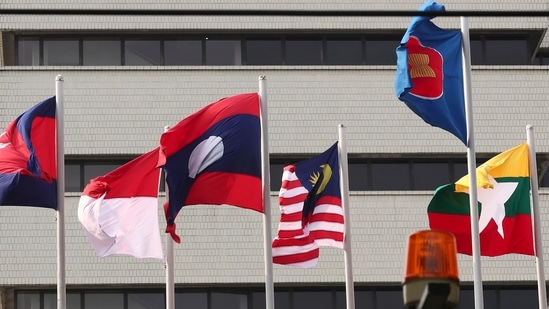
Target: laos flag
{"x":28,"y":169}
{"x":429,"y":77}
{"x":214,"y":157}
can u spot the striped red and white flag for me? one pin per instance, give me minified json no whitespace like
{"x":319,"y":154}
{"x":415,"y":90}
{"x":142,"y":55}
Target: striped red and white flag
{"x":311,"y":212}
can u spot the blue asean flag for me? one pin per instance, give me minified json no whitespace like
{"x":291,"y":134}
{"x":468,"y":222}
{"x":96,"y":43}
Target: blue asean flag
{"x":214,"y":157}
{"x":28,"y":164}
{"x":429,"y":76}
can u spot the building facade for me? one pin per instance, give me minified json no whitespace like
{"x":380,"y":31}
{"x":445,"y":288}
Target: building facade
{"x":128,"y":76}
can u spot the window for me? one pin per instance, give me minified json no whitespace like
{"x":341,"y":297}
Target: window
{"x":142,"y":52}
{"x":223,"y":52}
{"x":183,"y":52}
{"x":61,"y":52}
{"x":253,"y":49}
{"x":73,"y":301}
{"x":381,"y":51}
{"x":229,"y":300}
{"x":103,"y":300}
{"x":303,"y":52}
{"x":28,"y":51}
{"x":263,"y":52}
{"x":101,"y":52}
{"x":438,"y":174}
{"x":146,"y":300}
{"x":316,"y":299}
{"x":391,"y":176}
{"x":191,"y":300}
{"x":344,"y":52}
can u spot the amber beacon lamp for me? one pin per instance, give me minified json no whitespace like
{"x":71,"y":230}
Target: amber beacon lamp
{"x":431,"y":278}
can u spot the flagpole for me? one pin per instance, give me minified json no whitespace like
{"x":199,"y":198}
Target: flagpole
{"x":61,"y":283}
{"x":471,"y":164}
{"x":344,"y":187}
{"x":170,"y":270}
{"x":265,"y":175}
{"x":542,"y":293}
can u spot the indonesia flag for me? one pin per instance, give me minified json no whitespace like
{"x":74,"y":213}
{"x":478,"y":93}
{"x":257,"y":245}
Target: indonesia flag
{"x":311,"y":212}
{"x":28,"y":164}
{"x":213,"y":157}
{"x":119,"y":211}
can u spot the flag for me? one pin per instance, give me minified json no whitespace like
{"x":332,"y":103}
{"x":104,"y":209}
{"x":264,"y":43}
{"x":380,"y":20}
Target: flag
{"x":311,"y":212}
{"x":119,"y":210}
{"x":28,"y":163}
{"x":214,"y":157}
{"x":505,"y":223}
{"x":429,"y":77}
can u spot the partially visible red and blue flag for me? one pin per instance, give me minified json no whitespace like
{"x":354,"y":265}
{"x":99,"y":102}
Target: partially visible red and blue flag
{"x":429,"y":76}
{"x":311,"y":211}
{"x":214,"y":157}
{"x":28,"y":165}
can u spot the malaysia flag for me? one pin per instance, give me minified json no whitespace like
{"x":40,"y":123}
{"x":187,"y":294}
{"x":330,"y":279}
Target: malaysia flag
{"x":311,"y":212}
{"x":214,"y":157}
{"x":119,"y":210}
{"x":28,"y":164}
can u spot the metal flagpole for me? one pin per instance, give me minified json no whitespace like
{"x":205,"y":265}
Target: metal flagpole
{"x":542,"y":293}
{"x":60,"y":135}
{"x":170,"y":272}
{"x":344,"y":187}
{"x":265,"y":175}
{"x":471,"y":164}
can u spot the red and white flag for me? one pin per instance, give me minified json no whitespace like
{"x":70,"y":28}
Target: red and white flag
{"x":311,"y":212}
{"x":119,"y":211}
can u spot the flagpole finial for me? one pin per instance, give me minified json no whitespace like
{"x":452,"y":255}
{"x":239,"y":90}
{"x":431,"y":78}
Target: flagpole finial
{"x":529,"y":127}
{"x":262,"y":77}
{"x":341,"y":125}
{"x":59,"y":78}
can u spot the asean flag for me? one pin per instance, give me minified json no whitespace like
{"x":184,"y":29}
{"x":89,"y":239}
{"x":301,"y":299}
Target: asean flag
{"x":429,"y":77}
{"x":214,"y":157}
{"x":28,"y":165}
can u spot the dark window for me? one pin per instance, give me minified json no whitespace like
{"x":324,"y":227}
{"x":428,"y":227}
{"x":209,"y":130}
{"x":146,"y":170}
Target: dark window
{"x":276,"y":172}
{"x":391,"y":176}
{"x":101,"y":52}
{"x":183,"y":52}
{"x":524,"y":299}
{"x":508,"y":52}
{"x":103,"y":300}
{"x":229,"y":300}
{"x":477,"y":54}
{"x":263,"y":52}
{"x":382,"y":52}
{"x":363,"y":299}
{"x":73,"y":301}
{"x":281,"y":300}
{"x":142,"y":52}
{"x":460,"y":170}
{"x":28,"y":300}
{"x":28,"y":51}
{"x":191,"y":300}
{"x":61,"y":52}
{"x":358,"y":176}
{"x":429,"y":176}
{"x":223,"y":52}
{"x":467,"y":299}
{"x":317,"y":300}
{"x":389,"y":299}
{"x":303,"y":52}
{"x":343,"y":52}
{"x":146,"y":301}
{"x":73,"y":182}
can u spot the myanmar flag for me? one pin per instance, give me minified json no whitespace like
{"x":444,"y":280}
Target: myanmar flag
{"x":503,"y":189}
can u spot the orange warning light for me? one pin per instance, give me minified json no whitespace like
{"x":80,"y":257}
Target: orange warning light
{"x":431,"y":254}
